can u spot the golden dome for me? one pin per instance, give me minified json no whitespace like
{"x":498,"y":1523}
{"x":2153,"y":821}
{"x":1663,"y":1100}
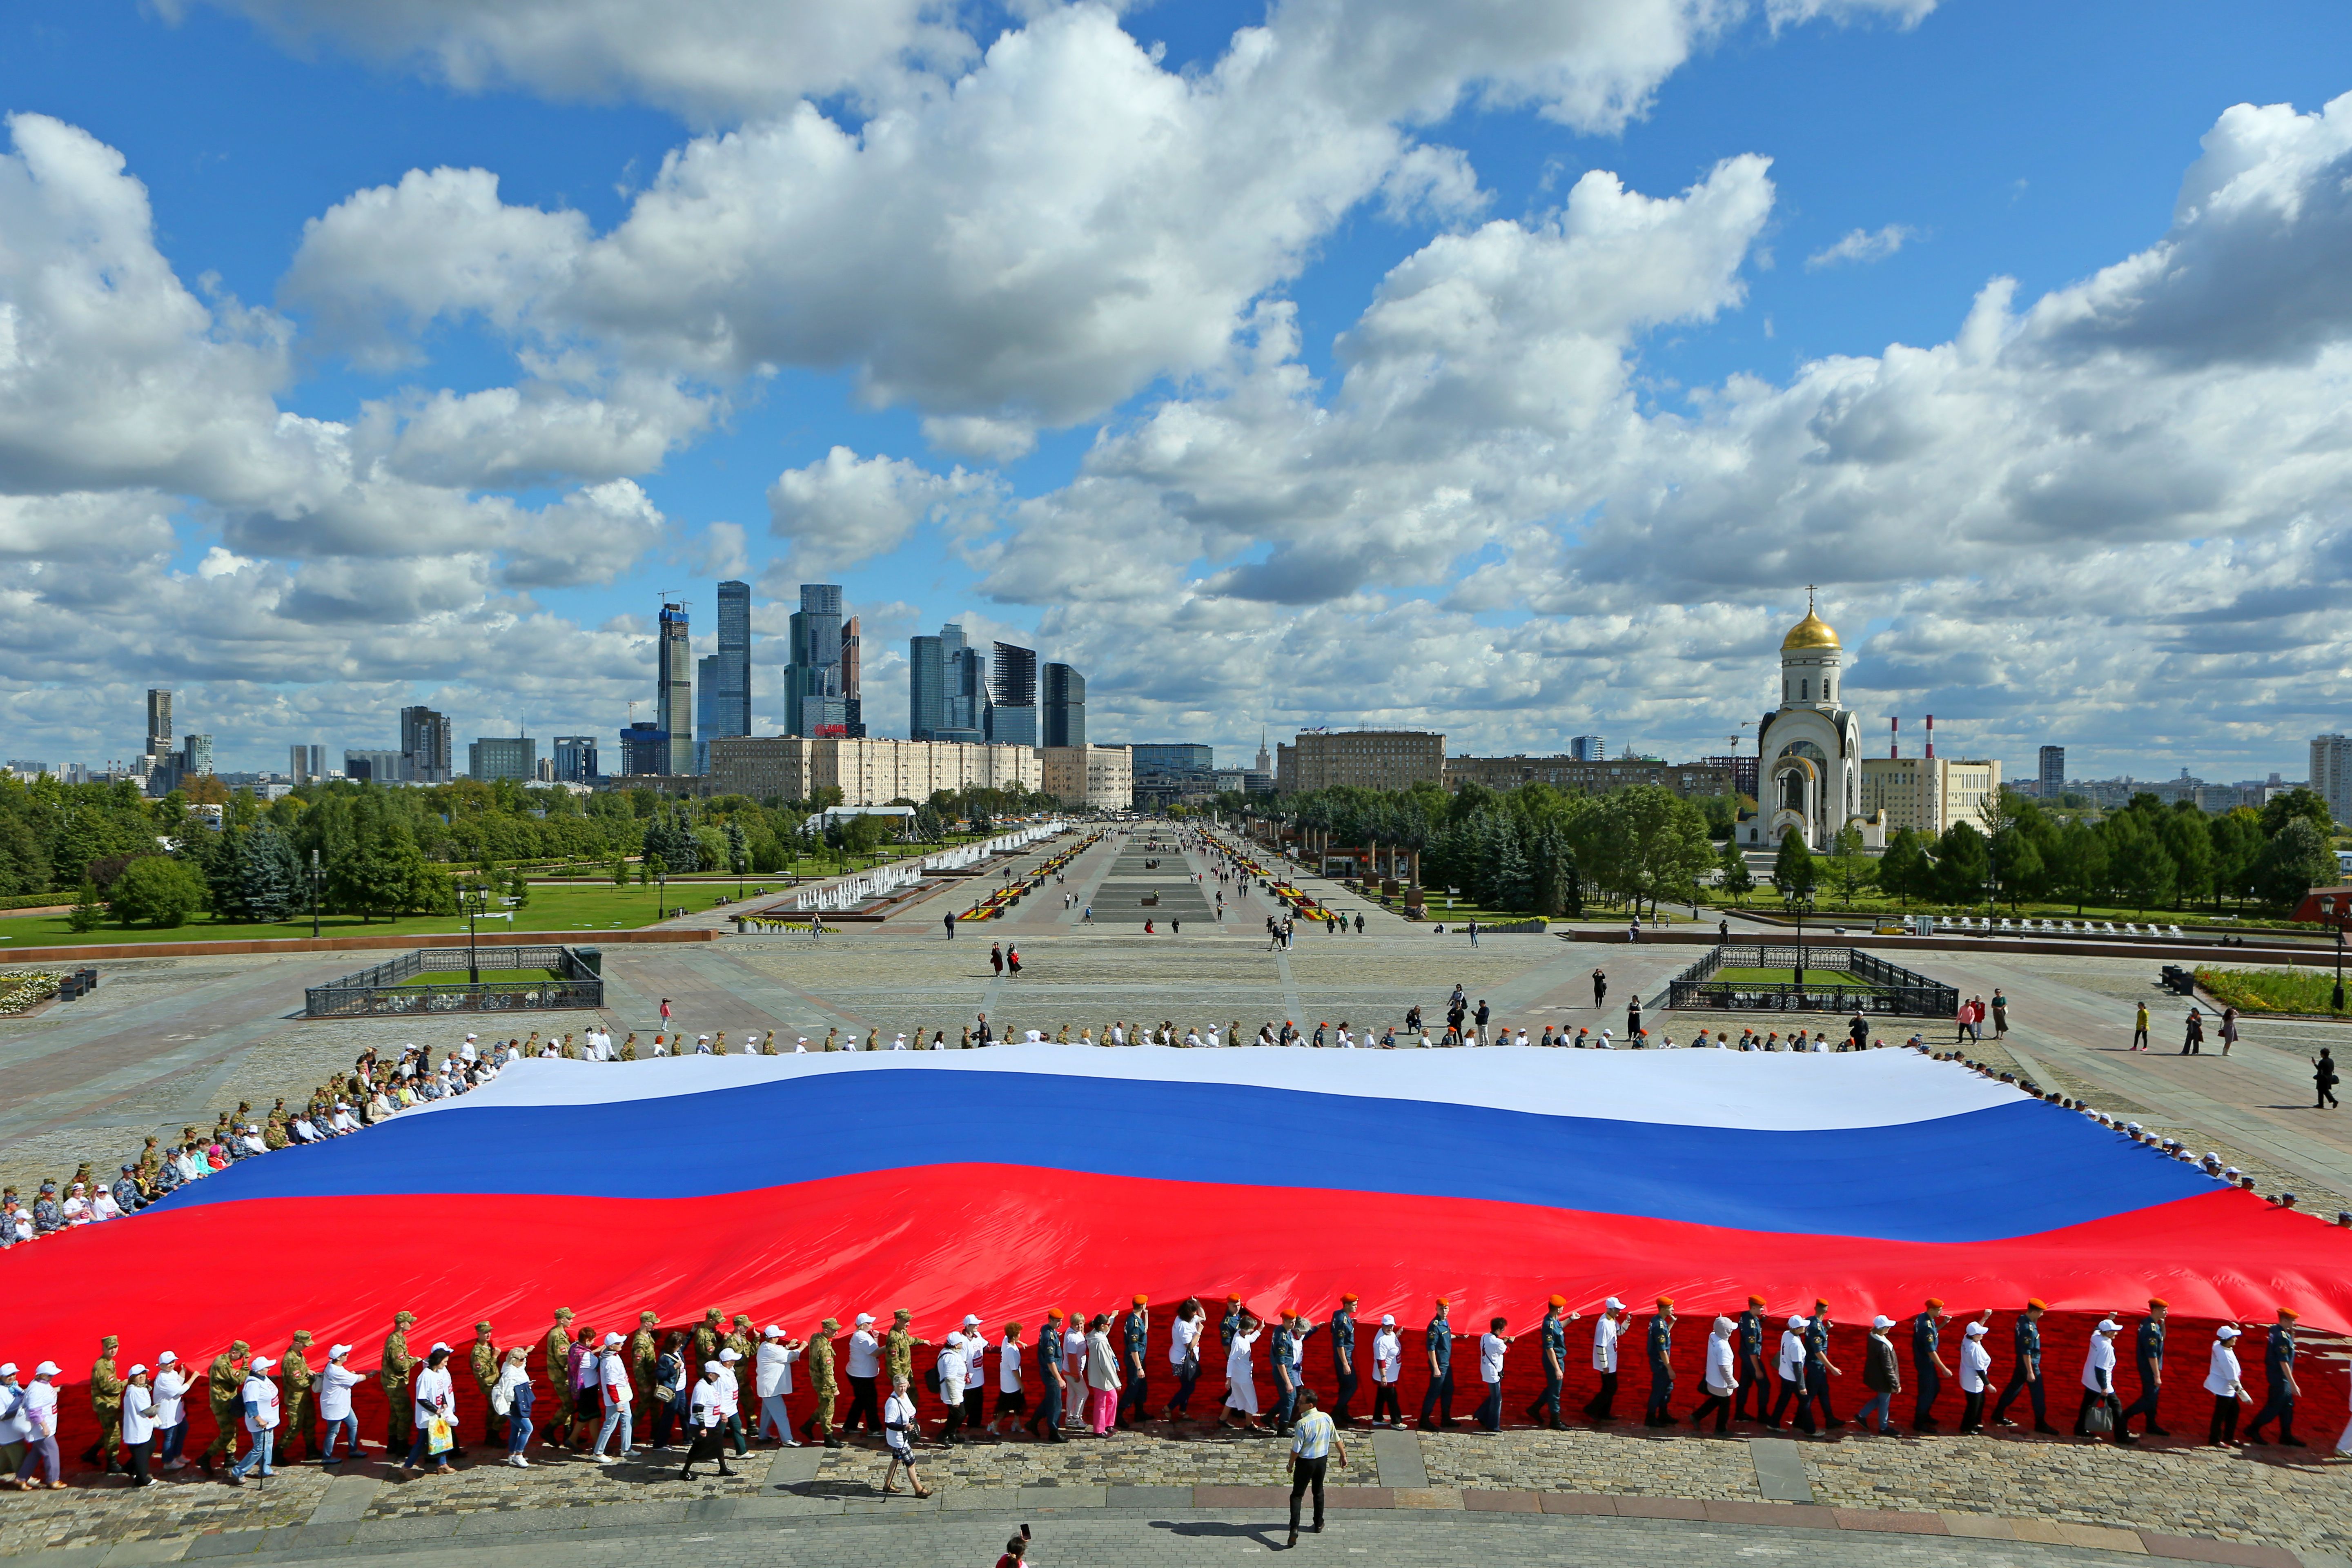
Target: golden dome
{"x":1811,"y":632}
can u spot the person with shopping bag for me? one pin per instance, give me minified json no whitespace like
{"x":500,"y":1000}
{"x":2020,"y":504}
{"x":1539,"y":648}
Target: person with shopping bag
{"x":436,"y":1413}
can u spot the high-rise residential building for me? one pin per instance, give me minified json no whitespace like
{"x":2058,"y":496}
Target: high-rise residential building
{"x":2331,"y":774}
{"x":306,"y":764}
{"x":673,"y":693}
{"x":503,"y":757}
{"x":926,"y":689}
{"x":159,"y":721}
{"x":1064,"y":707}
{"x":814,"y":697}
{"x":1587,"y":749}
{"x":2050,"y":782}
{"x":730,"y":712}
{"x":1363,"y":759}
{"x":853,"y":696}
{"x":195,"y":756}
{"x":1012,"y":696}
{"x":575,"y":759}
{"x":425,"y":742}
{"x":967,"y":689}
{"x":645,"y":748}
{"x":375,"y":766}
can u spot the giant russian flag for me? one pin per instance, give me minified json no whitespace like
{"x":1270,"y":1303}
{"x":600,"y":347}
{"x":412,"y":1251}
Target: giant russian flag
{"x":1005,"y":1181}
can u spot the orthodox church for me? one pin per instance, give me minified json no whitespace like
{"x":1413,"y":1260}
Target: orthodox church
{"x":1809,"y":772}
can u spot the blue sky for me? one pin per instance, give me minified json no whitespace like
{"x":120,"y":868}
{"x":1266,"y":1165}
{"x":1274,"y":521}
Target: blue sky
{"x":1175,"y":516}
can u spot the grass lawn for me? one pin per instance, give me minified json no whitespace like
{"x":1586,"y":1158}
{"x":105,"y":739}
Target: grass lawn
{"x":551,"y":908}
{"x":490,"y":977}
{"x":1731,"y":974}
{"x":2274,"y":990}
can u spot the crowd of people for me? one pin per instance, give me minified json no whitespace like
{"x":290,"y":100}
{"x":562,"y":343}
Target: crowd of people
{"x":715,"y":1388}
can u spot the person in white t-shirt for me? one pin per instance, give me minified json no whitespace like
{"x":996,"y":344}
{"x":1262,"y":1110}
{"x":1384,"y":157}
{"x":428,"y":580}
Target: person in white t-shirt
{"x":1491,"y":1346}
{"x":612,"y":1384}
{"x":2224,"y":1380}
{"x":734,"y":1397}
{"x":1976,"y":1366}
{"x":772,"y":1381}
{"x":863,"y":1367}
{"x":951,"y":1368}
{"x":1387,"y":1369}
{"x":1012,"y":1393}
{"x":435,"y":1397}
{"x":138,"y":1423}
{"x":170,"y":1385}
{"x":336,"y":1380}
{"x":261,"y":1417}
{"x":1184,"y":1357}
{"x":1241,"y":1377}
{"x":38,"y":1412}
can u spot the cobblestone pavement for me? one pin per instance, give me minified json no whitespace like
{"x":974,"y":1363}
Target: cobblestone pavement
{"x":2170,"y":1500}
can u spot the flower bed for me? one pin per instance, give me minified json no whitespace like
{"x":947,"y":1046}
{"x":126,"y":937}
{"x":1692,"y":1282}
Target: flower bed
{"x":2272,"y":990}
{"x":22,"y":993}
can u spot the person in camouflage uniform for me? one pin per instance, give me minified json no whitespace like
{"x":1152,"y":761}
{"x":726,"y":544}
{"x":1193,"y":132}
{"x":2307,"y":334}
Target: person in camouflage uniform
{"x":644,"y":1350}
{"x":819,"y":1360}
{"x":741,"y":1338}
{"x":559,"y":1361}
{"x":301,"y":1405}
{"x":484,"y":1360}
{"x":106,"y":1403}
{"x":48,"y":1214}
{"x":399,"y":1368}
{"x":224,"y":1388}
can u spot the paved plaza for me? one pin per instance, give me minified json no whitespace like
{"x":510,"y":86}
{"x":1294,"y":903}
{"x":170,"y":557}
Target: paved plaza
{"x":168,"y":1041}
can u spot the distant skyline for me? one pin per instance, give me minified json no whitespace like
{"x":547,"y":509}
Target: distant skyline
{"x":1504,"y":369}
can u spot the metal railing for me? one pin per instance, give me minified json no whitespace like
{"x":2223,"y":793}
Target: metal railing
{"x":393,"y":988}
{"x":1885,"y":988}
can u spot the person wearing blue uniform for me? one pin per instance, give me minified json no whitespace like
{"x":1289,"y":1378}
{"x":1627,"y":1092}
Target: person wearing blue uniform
{"x":1927,"y":1368}
{"x":1437,"y":1342}
{"x":1341,"y":1331}
{"x":1753,"y":1378}
{"x":2027,"y":1373}
{"x":1284,"y":1354}
{"x":1135,"y":1333}
{"x":2148,"y":1351}
{"x":1818,"y":1368}
{"x":2278,"y":1372}
{"x":1047,"y":1421}
{"x":1553,"y":1334}
{"x":1662,"y":1365}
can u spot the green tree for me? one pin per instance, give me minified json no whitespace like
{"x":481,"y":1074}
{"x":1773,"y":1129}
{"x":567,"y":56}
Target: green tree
{"x":1736,"y":878}
{"x":2297,"y":802}
{"x":1963,"y":865}
{"x":1794,"y":872}
{"x":1849,"y":866}
{"x":2136,"y":862}
{"x":86,"y":911}
{"x":1905,"y":869}
{"x":2237,"y":851}
{"x":2296,"y":861}
{"x":268,"y":876}
{"x":2190,"y":842}
{"x":2081,"y":870}
{"x":619,"y":871}
{"x":157,"y":891}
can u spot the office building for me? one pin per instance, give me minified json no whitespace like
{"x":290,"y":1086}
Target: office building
{"x":967,"y":688}
{"x":1173,"y":773}
{"x":927,"y":687}
{"x":730,"y":709}
{"x":425,"y":741}
{"x":575,"y":759}
{"x":159,"y":721}
{"x":306,"y":764}
{"x":195,"y":756}
{"x":502,"y":757}
{"x":869,"y":772}
{"x":1928,"y":794}
{"x":2331,"y":774}
{"x":1064,"y":707}
{"x":706,"y":701}
{"x":1361,"y":759}
{"x":1587,"y":749}
{"x":673,"y":691}
{"x":1012,"y":696}
{"x":1708,"y":776}
{"x":644,"y":750}
{"x":383,"y":767}
{"x":852,"y":701}
{"x":2049,"y":781}
{"x":815,"y":699}
{"x":1088,"y":778}
{"x":1744,"y":771}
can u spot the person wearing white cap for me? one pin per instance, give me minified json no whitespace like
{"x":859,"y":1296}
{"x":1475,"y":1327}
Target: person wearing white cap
{"x":38,"y":1412}
{"x":138,"y":1423}
{"x":2224,"y":1381}
{"x":13,"y":1425}
{"x":1792,"y":1368}
{"x":976,"y":1372}
{"x":1606,"y":1327}
{"x":170,"y":1385}
{"x":613,"y":1385}
{"x":1388,"y":1367}
{"x":1881,"y":1376}
{"x":1012,"y":1393}
{"x":1976,"y":1366}
{"x":772,"y":1380}
{"x":947,"y":1376}
{"x":435,"y":1412}
{"x":864,"y":1366}
{"x":707,"y":1417}
{"x":734,"y":1398}
{"x":336,"y":1381}
{"x":2099,"y":1385}
{"x":512,"y":1396}
{"x":259,"y":1396}
{"x":1720,"y":1380}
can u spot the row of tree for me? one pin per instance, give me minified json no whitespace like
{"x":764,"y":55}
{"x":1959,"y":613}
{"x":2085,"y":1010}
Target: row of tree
{"x":2146,"y":856}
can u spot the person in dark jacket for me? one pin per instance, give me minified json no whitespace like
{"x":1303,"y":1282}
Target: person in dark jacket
{"x":1927,"y":1366}
{"x":2148,"y":1351}
{"x":1880,"y":1376}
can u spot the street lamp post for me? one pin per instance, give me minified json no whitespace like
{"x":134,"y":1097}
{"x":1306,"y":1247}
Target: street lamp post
{"x":1800,"y":905}
{"x":2338,"y":1003}
{"x":472,"y":895}
{"x":314,"y":895}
